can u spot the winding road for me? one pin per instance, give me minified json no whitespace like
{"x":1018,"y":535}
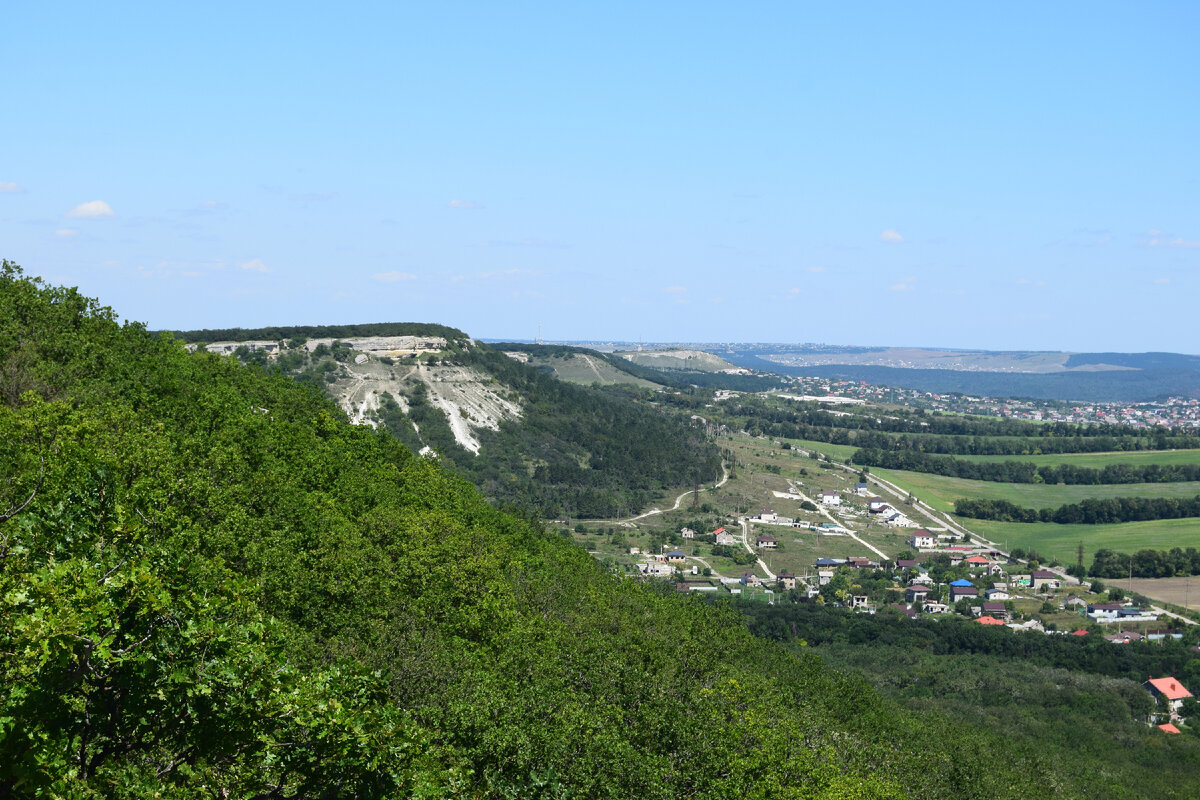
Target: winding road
{"x":679,"y":500}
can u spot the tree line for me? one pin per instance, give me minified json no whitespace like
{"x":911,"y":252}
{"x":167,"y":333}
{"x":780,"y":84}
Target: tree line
{"x":1025,"y":471}
{"x":1146,"y":563}
{"x":1092,"y":511}
{"x":964,"y":445}
{"x":279,"y":333}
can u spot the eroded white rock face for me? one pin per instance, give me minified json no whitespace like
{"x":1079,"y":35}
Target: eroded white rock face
{"x":390,"y":346}
{"x":470,"y":399}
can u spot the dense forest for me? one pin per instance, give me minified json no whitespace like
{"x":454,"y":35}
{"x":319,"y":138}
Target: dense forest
{"x":216,"y":586}
{"x":600,"y":451}
{"x":1074,"y":698}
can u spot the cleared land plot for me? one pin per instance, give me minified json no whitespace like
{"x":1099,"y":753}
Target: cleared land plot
{"x":1060,"y":541}
{"x":941,"y":492}
{"x":1168,"y":590}
{"x":799,"y":549}
{"x":838,"y":452}
{"x":1134,"y":459}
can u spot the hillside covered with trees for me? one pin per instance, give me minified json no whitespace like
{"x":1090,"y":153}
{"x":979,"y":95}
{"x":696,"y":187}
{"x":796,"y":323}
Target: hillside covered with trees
{"x":215,"y":586}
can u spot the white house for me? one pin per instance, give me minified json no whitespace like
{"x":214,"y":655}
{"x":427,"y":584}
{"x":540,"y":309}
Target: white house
{"x":922,"y":540}
{"x":1103,"y":611}
{"x":724,"y":537}
{"x":830,"y":499}
{"x":877,"y":505}
{"x":656,"y":569}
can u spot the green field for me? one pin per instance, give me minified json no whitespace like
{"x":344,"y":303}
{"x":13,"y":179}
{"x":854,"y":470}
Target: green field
{"x":1133,"y":459}
{"x":941,"y":492}
{"x":838,"y":452}
{"x":1061,"y":540}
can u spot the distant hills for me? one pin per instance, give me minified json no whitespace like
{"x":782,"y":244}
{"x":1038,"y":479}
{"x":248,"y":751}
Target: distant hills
{"x":1096,"y":377}
{"x":1042,"y":375}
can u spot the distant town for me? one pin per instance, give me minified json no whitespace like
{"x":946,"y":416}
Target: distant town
{"x":1173,"y":412}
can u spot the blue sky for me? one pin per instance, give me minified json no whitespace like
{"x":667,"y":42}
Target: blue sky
{"x":1008,"y":176}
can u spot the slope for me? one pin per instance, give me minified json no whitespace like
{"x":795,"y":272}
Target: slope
{"x":215,"y":585}
{"x":519,"y":434}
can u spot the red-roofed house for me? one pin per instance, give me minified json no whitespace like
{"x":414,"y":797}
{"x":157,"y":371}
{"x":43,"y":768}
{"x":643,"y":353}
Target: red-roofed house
{"x":1170,"y":690}
{"x":1080,"y":632}
{"x":977,"y":561}
{"x":1167,"y":727}
{"x":990,"y":621}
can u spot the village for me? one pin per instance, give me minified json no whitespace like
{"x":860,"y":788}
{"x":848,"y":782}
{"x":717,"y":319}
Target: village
{"x":839,"y":538}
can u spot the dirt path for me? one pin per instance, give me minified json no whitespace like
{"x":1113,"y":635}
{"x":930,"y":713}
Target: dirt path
{"x":846,"y":528}
{"x":746,"y":543}
{"x":679,"y":500}
{"x":592,"y":364}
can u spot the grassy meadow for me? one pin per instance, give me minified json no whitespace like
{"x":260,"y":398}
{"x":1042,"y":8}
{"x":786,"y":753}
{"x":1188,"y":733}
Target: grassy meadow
{"x":1061,"y":541}
{"x":586,"y":371}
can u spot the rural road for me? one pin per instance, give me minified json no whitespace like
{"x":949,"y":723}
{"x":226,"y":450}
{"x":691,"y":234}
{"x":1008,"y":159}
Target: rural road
{"x":829,"y":516}
{"x":679,"y":500}
{"x":746,"y":543}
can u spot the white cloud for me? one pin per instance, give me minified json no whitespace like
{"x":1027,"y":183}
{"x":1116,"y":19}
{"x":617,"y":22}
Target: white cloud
{"x":1154,"y":232}
{"x":901,"y":287}
{"x":675,"y":289}
{"x":467,"y":204}
{"x":91,"y":210}
{"x":1162,"y":280}
{"x":254,"y":265}
{"x":10,"y":187}
{"x":816,"y":269}
{"x":66,"y":233}
{"x":891,"y":235}
{"x":1188,"y":243}
{"x":793,"y":291}
{"x":393,"y":276}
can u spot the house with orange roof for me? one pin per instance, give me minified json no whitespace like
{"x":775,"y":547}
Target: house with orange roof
{"x":1170,"y":690}
{"x":1167,"y":727}
{"x":990,"y":621}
